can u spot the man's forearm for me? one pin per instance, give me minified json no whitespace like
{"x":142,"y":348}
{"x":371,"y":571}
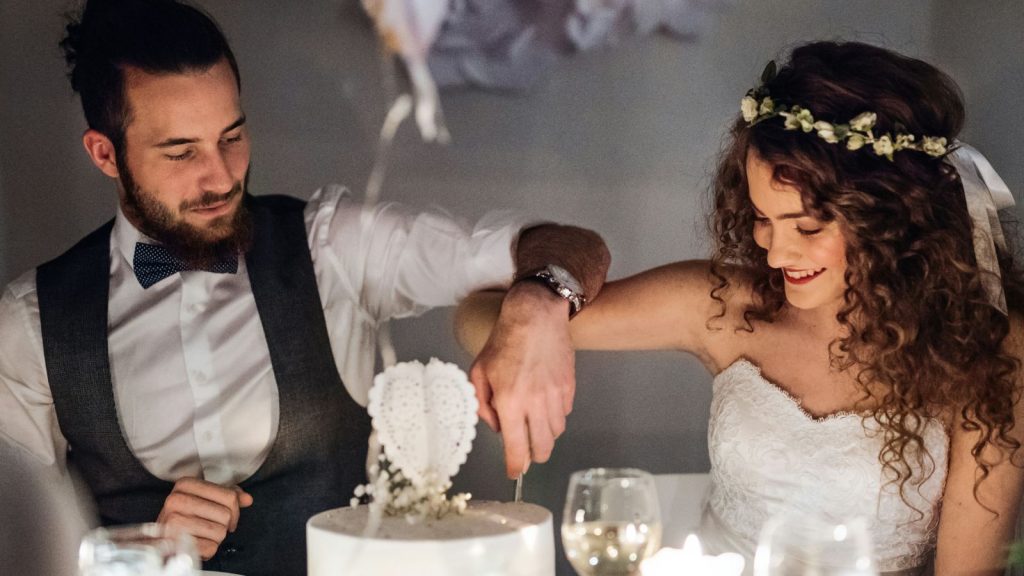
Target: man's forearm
{"x":580,"y":251}
{"x":525,"y":374}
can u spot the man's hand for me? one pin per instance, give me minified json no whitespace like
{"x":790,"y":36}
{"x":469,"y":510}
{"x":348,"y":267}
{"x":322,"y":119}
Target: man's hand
{"x":205,"y":510}
{"x":525,"y":376}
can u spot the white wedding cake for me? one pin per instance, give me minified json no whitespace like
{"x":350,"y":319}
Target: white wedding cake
{"x":488,"y":539}
{"x":424,"y":418}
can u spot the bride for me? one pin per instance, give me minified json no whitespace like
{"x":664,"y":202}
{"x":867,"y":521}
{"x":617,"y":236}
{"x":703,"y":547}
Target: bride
{"x":860,"y":313}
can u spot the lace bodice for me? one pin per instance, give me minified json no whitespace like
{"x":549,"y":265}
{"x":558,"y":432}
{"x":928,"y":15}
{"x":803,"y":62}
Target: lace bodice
{"x":768,"y":454}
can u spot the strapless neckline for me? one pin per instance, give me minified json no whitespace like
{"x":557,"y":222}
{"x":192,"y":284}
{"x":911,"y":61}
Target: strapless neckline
{"x":744,"y":365}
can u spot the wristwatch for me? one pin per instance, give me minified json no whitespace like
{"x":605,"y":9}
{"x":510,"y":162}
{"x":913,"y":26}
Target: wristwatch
{"x":561,"y":282}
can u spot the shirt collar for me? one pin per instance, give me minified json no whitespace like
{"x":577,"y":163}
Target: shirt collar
{"x":125,"y":235}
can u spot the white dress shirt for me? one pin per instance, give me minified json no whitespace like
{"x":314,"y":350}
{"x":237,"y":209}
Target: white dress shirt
{"x":193,"y":383}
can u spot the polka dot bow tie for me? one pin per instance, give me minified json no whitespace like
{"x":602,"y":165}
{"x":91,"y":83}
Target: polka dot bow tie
{"x":153,"y":263}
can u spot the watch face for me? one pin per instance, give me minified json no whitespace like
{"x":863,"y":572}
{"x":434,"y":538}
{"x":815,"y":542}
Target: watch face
{"x":563,"y":277}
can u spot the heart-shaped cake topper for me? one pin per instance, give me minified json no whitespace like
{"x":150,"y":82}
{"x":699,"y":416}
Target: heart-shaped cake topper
{"x":425,"y":418}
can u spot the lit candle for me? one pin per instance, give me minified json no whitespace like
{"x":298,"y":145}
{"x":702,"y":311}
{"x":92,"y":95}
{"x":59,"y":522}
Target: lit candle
{"x":691,"y":561}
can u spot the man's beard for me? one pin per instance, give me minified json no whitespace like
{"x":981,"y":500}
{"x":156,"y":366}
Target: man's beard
{"x":189,"y":243}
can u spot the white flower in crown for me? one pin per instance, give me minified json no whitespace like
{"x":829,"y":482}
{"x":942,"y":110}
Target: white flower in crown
{"x":826,"y":132}
{"x":798,"y":119}
{"x":855,"y":142}
{"x":884,"y":147}
{"x":748,"y":106}
{"x":863,"y":122}
{"x":933,"y":146}
{"x":904,"y":141}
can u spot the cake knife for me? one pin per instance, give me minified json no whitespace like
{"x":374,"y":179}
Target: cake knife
{"x":519,"y":489}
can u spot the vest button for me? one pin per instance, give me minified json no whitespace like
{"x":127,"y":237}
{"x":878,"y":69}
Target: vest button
{"x":230,"y":550}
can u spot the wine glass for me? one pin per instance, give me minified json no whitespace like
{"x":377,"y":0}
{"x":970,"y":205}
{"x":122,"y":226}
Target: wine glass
{"x":796,"y":543}
{"x":611,"y":521}
{"x":138,"y":550}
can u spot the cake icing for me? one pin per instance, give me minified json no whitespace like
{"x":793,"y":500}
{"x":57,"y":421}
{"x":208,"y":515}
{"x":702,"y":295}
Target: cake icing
{"x":488,"y":539}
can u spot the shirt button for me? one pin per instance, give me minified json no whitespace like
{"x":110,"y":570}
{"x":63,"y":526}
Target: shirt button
{"x":199,"y":376}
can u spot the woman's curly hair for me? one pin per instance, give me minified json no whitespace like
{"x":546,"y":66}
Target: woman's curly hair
{"x":920,"y":332}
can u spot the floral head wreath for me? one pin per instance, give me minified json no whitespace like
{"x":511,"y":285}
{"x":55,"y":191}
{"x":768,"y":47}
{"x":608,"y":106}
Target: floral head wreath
{"x":758,"y":106}
{"x":985,"y":192}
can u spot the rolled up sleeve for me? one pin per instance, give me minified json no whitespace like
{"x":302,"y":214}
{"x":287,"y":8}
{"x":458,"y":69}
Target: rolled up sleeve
{"x":398,"y":262}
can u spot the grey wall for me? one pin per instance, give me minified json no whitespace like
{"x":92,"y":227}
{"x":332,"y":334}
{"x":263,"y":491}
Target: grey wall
{"x":981,"y":44}
{"x":618,"y":140}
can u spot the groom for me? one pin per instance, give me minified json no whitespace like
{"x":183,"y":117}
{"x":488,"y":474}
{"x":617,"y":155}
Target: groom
{"x":203,"y":359}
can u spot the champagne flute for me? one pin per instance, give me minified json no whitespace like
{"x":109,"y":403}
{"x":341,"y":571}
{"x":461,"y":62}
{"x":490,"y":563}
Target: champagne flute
{"x":611,"y":521}
{"x":796,"y":543}
{"x":138,"y":550}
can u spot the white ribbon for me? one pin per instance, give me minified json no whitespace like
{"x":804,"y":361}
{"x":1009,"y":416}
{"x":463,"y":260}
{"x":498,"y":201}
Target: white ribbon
{"x":986,"y":194}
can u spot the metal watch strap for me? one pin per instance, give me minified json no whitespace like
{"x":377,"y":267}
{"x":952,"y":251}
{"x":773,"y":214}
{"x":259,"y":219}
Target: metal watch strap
{"x":545,"y":276}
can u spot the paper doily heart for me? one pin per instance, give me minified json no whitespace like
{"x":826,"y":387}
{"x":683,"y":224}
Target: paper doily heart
{"x":425,"y":418}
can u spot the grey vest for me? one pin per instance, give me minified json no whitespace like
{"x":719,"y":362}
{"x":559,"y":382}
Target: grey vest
{"x":319,"y":453}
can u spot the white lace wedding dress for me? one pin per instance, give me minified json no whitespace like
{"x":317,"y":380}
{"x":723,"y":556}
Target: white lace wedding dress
{"x":768,"y":454}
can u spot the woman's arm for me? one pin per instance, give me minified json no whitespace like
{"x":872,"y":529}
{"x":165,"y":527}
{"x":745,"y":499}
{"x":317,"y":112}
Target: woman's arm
{"x":663,"y":308}
{"x":475,"y":319}
{"x":973,"y":540}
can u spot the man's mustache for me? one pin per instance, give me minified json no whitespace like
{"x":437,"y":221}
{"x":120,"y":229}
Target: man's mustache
{"x":211,"y":198}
